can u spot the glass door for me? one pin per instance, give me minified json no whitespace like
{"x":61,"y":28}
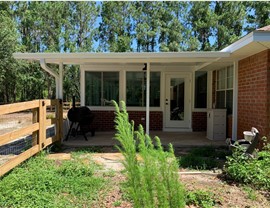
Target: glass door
{"x":177,"y":101}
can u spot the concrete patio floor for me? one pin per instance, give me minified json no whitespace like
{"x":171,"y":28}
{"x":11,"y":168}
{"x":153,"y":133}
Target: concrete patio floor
{"x":178,"y":139}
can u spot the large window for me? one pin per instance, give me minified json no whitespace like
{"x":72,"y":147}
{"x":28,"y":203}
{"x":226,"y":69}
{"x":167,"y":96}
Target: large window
{"x":136,"y":89}
{"x":101,"y":88}
{"x":200,"y":89}
{"x":224,"y":91}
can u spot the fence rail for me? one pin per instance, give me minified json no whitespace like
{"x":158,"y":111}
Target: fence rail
{"x":40,"y":122}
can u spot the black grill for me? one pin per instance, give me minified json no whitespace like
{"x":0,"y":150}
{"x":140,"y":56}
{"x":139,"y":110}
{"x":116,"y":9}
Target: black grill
{"x":81,"y":118}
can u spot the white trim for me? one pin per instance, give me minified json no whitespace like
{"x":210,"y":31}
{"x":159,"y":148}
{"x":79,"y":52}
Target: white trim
{"x":199,"y":110}
{"x":82,"y":86}
{"x":123,"y":56}
{"x":166,"y":129}
{"x":235,"y":102}
{"x":209,"y":89}
{"x":147,"y":97}
{"x":61,"y":75}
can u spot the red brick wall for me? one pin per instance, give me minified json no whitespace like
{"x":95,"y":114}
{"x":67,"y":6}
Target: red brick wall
{"x":199,"y":121}
{"x":104,"y":120}
{"x":253,"y":93}
{"x":229,"y":126}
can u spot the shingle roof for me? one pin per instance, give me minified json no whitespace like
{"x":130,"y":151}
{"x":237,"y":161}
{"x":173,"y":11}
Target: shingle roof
{"x":266,"y":28}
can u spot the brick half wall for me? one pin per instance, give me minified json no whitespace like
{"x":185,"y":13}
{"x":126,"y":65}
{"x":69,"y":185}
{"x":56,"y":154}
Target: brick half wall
{"x":199,"y":121}
{"x":104,"y":120}
{"x":253,"y":93}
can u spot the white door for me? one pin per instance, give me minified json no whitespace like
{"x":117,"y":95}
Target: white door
{"x":177,"y":101}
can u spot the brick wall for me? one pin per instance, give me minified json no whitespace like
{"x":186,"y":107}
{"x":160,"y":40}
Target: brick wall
{"x":199,"y":121}
{"x":253,"y":93}
{"x":104,"y":120}
{"x":229,"y":126}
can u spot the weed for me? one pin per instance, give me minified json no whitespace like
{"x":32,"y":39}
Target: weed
{"x":201,"y":198}
{"x":247,"y":170}
{"x":203,"y":158}
{"x":251,"y":193}
{"x":42,"y":183}
{"x":196,"y":162}
{"x":117,"y":203}
{"x":153,"y":179}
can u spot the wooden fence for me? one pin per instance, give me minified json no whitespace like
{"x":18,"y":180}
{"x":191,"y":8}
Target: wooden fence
{"x":37,"y":128}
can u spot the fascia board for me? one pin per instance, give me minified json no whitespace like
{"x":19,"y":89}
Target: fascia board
{"x":255,"y":36}
{"x":239,"y":44}
{"x":121,"y":57}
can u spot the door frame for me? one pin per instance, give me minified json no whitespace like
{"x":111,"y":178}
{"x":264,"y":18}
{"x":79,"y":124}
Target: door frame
{"x":186,"y":125}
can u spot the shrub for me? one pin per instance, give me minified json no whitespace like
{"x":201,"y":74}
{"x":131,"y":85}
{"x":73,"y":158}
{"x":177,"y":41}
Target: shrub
{"x":255,"y":171}
{"x":152,"y":176}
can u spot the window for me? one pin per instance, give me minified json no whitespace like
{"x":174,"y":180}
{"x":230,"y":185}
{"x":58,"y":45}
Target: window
{"x":200,"y":89}
{"x":224,"y":92}
{"x":136,"y":89}
{"x":101,"y":88}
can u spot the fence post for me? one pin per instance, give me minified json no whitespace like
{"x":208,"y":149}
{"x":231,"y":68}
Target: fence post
{"x":35,"y":120}
{"x":42,"y":124}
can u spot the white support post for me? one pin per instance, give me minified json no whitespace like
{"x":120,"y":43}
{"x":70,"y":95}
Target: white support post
{"x":60,"y":91}
{"x":235,"y":101}
{"x":148,"y":98}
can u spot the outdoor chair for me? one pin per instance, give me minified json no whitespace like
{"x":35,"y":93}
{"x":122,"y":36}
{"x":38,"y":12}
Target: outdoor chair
{"x":249,"y":146}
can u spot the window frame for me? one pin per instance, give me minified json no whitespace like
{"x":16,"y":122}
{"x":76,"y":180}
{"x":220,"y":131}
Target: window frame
{"x":160,"y":82}
{"x":122,"y":69}
{"x":226,"y":88}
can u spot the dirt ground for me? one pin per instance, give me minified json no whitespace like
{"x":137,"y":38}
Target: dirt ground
{"x":226,"y":195}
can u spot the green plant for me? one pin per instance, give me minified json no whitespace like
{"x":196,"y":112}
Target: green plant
{"x":250,"y":192}
{"x":203,"y":158}
{"x":201,"y":198}
{"x":195,"y":162}
{"x":253,"y":171}
{"x":117,"y":203}
{"x":153,"y":179}
{"x":45,"y":183}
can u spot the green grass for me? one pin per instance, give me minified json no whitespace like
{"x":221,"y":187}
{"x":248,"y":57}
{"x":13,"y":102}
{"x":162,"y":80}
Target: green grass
{"x":203,"y":158}
{"x":45,"y":183}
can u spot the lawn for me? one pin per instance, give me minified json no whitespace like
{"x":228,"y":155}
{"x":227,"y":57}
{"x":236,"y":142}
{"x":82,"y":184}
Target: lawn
{"x":40,"y":182}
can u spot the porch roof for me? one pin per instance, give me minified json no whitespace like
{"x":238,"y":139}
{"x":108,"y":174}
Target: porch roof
{"x":193,"y":58}
{"x":250,"y":44}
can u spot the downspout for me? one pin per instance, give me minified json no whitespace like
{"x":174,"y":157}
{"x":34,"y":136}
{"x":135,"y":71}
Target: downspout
{"x":53,"y":73}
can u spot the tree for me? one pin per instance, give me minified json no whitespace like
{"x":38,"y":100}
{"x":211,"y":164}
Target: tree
{"x":8,"y":65}
{"x":229,"y":18}
{"x":115,"y":30}
{"x":258,"y":15}
{"x":172,"y":29}
{"x":201,"y":23}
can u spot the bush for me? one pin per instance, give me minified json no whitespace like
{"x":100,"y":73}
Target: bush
{"x":254,"y":171}
{"x":153,"y":179}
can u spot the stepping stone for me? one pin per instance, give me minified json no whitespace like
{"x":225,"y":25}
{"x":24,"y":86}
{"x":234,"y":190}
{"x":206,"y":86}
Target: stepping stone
{"x":59,"y":156}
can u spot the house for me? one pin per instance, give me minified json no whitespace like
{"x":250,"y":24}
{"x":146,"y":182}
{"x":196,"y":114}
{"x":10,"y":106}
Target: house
{"x":172,"y":91}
